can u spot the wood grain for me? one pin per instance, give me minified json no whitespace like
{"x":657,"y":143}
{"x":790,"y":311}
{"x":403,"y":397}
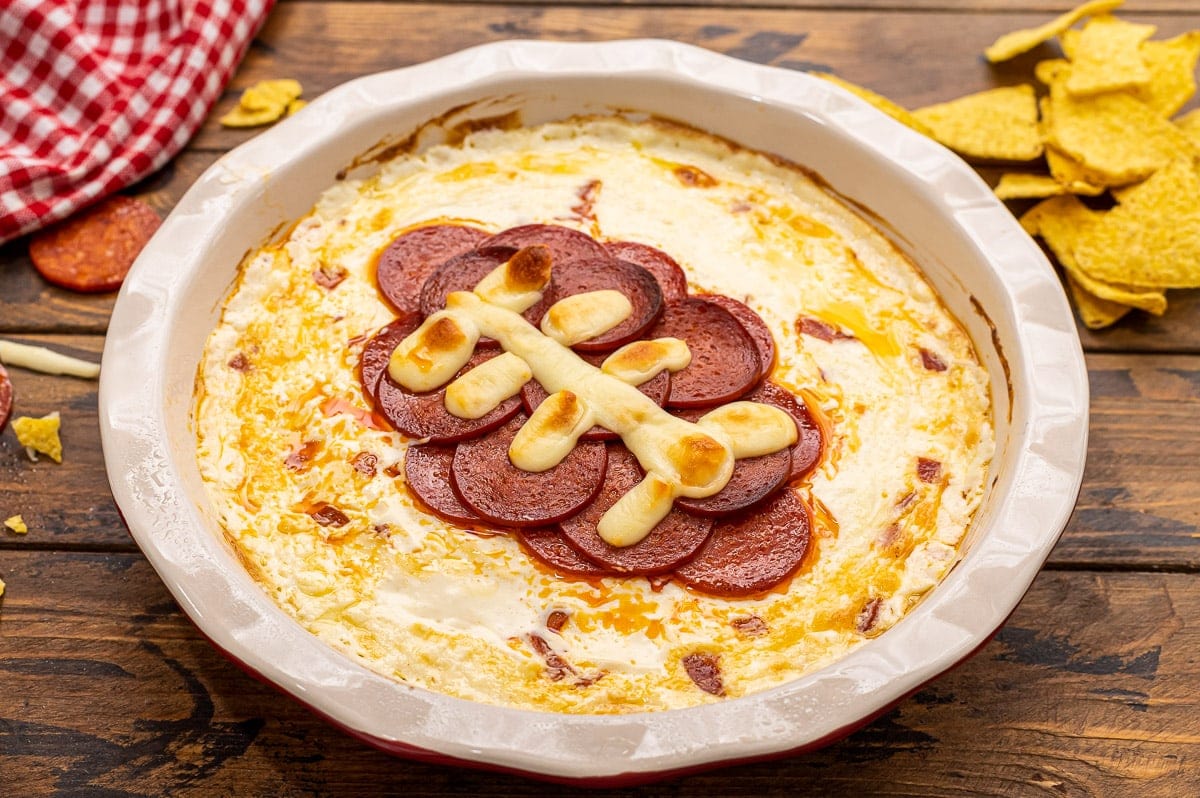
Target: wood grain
{"x":108,"y":687}
{"x":915,"y":58}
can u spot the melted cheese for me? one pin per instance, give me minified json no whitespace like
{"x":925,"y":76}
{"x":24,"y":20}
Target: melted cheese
{"x":438,"y":607}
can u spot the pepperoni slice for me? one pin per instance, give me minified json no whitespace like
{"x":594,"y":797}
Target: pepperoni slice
{"x":672,"y":541}
{"x":93,"y":251}
{"x":582,"y":275}
{"x":657,"y":388}
{"x":565,"y":244}
{"x":378,"y":351}
{"x":666,"y":271}
{"x":424,"y":415}
{"x":725,"y":361}
{"x":547,"y":545}
{"x":427,"y":470}
{"x":810,"y":443}
{"x":755,"y":327}
{"x":752,"y":551}
{"x":408,"y":261}
{"x":753,"y":479}
{"x":488,"y":483}
{"x":6,"y":397}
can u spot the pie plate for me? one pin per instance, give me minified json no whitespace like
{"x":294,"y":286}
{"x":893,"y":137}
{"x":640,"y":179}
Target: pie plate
{"x":987,"y":270}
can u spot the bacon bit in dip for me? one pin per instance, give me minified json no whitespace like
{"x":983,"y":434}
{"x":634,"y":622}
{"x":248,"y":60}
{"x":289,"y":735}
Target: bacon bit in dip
{"x":705,"y":670}
{"x":931,"y":361}
{"x":328,"y":515}
{"x":750,"y":626}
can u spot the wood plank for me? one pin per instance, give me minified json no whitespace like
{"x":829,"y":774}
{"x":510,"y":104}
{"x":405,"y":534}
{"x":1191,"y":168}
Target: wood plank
{"x":914,"y":57}
{"x":1046,"y":8}
{"x":1139,"y":506}
{"x":108,"y":689}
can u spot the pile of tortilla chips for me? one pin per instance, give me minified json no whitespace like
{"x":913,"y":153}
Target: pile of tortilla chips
{"x":1102,"y":126}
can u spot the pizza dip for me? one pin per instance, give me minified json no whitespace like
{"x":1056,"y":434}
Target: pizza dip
{"x":599,"y":416}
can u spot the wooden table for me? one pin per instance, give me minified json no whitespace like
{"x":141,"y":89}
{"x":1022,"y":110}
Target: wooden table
{"x":1092,"y":688}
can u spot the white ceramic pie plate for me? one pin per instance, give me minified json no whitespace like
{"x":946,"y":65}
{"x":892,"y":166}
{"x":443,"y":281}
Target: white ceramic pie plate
{"x":990,"y":274}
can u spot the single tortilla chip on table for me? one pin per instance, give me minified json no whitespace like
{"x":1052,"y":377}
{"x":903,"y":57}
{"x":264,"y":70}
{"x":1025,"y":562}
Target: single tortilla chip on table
{"x":1062,"y":222}
{"x":1106,"y":56}
{"x":997,"y":124}
{"x":1115,"y":137}
{"x":265,"y":102}
{"x":93,"y":250}
{"x":894,"y":110}
{"x":1013,"y":44}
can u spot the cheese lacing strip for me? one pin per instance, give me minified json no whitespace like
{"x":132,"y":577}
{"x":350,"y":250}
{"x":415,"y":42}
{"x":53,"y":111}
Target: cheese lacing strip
{"x":680,"y":458}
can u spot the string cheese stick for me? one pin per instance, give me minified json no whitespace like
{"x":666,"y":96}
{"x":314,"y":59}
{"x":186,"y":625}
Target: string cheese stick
{"x":39,"y":358}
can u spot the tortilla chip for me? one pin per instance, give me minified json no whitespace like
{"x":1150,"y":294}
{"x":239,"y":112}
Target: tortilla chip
{"x":1020,"y":41}
{"x":1022,"y":185}
{"x":1152,"y":238}
{"x":1096,"y":313}
{"x":1115,"y":137}
{"x":1172,"y":67}
{"x":998,"y":124}
{"x":1189,"y":123}
{"x":1063,"y":168}
{"x":270,"y":94}
{"x":897,"y":112}
{"x":1107,"y":56}
{"x":1065,"y":223}
{"x":265,"y":102}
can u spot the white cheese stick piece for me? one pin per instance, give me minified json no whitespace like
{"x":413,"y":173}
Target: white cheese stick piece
{"x":550,"y":433}
{"x":751,"y":428}
{"x":480,"y":390}
{"x":517,"y":284}
{"x":583,"y":316}
{"x":39,"y":358}
{"x":434,"y":352}
{"x":637,"y":512}
{"x":639,"y":361}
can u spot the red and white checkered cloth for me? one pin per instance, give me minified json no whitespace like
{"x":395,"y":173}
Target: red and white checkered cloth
{"x":97,"y":94}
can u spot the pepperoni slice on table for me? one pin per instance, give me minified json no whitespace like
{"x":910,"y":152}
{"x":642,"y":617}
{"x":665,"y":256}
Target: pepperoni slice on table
{"x":408,"y":261}
{"x":488,"y":483}
{"x":565,"y":244}
{"x":672,"y":541}
{"x":424,"y":415}
{"x":753,"y":479}
{"x":635,"y":283}
{"x":657,"y":388}
{"x":92,"y":251}
{"x":666,"y":271}
{"x":810,"y":441}
{"x":427,"y":470}
{"x":725,"y":362}
{"x":752,"y":551}
{"x":6,"y":397}
{"x":378,"y":351}
{"x":546,"y":543}
{"x":755,"y":327}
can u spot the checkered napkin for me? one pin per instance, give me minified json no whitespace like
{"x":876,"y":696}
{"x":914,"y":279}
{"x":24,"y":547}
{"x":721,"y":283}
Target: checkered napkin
{"x":97,"y":94}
